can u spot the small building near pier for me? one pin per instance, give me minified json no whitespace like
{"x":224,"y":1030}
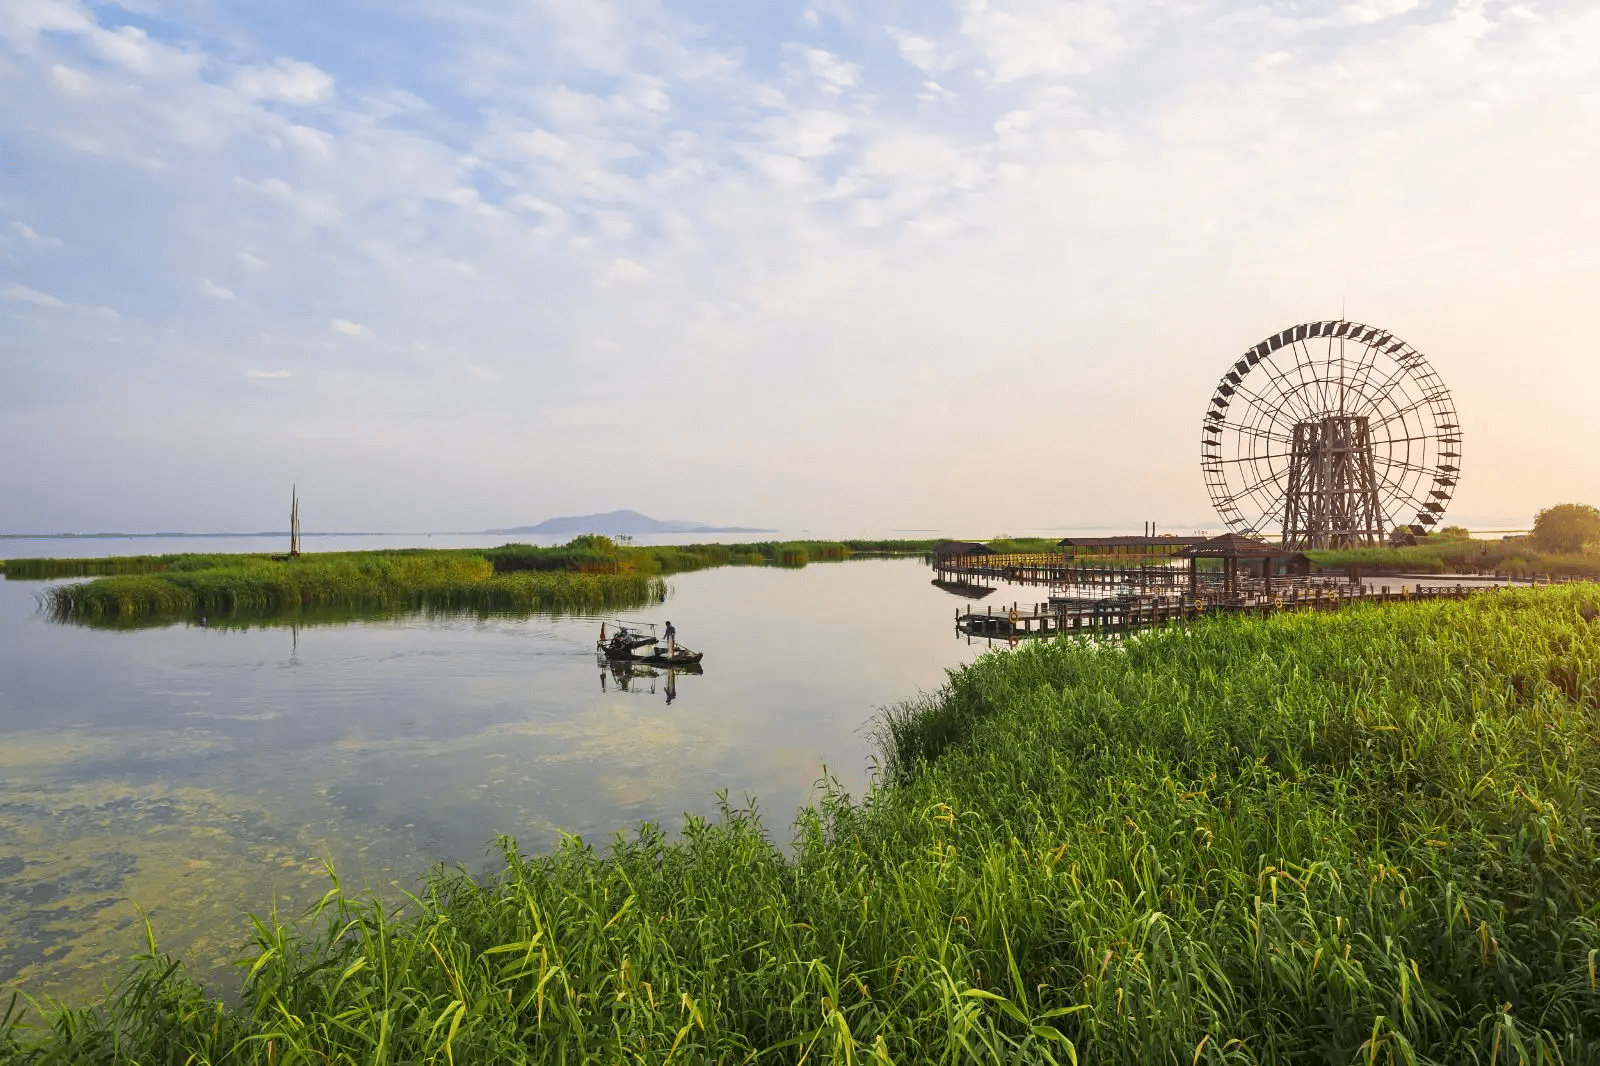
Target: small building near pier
{"x":1239,"y":553}
{"x":946,"y":550}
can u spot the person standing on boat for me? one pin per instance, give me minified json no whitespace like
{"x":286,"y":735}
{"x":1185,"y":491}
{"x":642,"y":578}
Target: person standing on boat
{"x":672,"y":639}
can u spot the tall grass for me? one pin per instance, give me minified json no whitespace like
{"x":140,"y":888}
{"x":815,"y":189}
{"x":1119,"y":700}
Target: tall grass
{"x":1366,"y":836}
{"x":1439,"y":555}
{"x":44,"y":569}
{"x":259,"y":586}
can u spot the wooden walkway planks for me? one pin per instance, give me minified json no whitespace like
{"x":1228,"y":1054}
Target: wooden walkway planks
{"x":1127,"y":613}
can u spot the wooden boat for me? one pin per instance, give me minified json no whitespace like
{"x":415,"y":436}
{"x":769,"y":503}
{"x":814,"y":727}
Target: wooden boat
{"x":679,"y":656}
{"x":630,"y":644}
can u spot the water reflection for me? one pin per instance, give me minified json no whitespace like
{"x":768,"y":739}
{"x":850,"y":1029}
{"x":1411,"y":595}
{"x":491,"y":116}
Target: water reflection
{"x":629,"y":677}
{"x":205,"y":772}
{"x":964,"y":589}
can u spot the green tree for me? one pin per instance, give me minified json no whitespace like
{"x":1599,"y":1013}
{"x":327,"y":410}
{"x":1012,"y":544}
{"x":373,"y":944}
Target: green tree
{"x":1453,"y":531}
{"x":1566,"y":527}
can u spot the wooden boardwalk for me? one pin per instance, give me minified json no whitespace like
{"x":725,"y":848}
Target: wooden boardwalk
{"x":1061,"y":571}
{"x":1120,"y":614}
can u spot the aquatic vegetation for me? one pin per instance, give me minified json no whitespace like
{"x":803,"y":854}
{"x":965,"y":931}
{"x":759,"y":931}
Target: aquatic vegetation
{"x":44,"y":569}
{"x":590,"y":573}
{"x":585,"y":554}
{"x":257,"y":586}
{"x":1357,"y":836}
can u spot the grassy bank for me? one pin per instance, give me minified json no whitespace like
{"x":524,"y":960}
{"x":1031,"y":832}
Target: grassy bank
{"x":1364,"y":836}
{"x":1440,"y":555}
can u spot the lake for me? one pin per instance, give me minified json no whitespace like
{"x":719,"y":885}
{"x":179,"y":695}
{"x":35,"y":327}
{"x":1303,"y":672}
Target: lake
{"x":197,"y":774}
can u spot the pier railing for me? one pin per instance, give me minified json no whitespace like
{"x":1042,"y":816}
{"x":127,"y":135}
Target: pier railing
{"x":1134,"y":611}
{"x":1065,"y":571}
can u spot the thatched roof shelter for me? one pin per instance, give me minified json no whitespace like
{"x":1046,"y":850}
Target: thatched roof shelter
{"x":953,"y":549}
{"x":1232,"y":547}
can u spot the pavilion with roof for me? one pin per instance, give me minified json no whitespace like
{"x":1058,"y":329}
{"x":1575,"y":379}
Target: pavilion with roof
{"x":1230,"y":548}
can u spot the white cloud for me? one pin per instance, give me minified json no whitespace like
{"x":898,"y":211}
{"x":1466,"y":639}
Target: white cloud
{"x":26,"y":295}
{"x":310,"y":140}
{"x":260,"y":375}
{"x":71,"y":82}
{"x":132,"y":49}
{"x":212,"y":289}
{"x":1365,"y":11}
{"x":288,"y":81}
{"x":22,"y":22}
{"x":350,"y":329}
{"x":654,"y":98}
{"x":317,"y":205}
{"x":1045,"y":38}
{"x":623,"y":271}
{"x":921,"y":52}
{"x":807,"y":134}
{"x":836,"y":72}
{"x":482,"y":373}
{"x":23,"y":294}
{"x":34,"y":237}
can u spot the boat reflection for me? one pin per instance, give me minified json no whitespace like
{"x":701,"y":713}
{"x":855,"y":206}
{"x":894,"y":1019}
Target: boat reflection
{"x":643,"y":680}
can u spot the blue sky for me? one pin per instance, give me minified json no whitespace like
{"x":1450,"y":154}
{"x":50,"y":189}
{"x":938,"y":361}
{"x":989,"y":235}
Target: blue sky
{"x":971,"y":265}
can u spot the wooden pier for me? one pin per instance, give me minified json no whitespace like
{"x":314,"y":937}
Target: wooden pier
{"x":1126,"y":613}
{"x":1060,"y":571}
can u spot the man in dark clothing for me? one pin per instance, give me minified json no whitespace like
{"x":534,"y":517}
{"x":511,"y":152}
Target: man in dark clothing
{"x":672,"y":635}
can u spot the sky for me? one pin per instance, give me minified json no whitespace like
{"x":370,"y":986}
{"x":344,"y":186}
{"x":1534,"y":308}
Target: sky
{"x":972,"y":265}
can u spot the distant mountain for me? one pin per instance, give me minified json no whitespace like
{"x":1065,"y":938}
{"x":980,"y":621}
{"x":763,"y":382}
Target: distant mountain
{"x":630,"y":523}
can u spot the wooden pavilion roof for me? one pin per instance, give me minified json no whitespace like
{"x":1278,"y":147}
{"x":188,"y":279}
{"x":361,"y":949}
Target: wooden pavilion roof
{"x":947,"y":548}
{"x":1235,"y":546}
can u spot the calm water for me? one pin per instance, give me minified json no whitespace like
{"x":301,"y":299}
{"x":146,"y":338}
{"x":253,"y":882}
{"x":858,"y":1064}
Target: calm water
{"x":201,"y":774}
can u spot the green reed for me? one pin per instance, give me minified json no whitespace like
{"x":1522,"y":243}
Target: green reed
{"x":1365,"y":836}
{"x":260,"y":586}
{"x":44,"y":569}
{"x":1438,"y":555}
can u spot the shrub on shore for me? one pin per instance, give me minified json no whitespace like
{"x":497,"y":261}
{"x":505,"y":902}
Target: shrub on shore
{"x":1360,"y":836}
